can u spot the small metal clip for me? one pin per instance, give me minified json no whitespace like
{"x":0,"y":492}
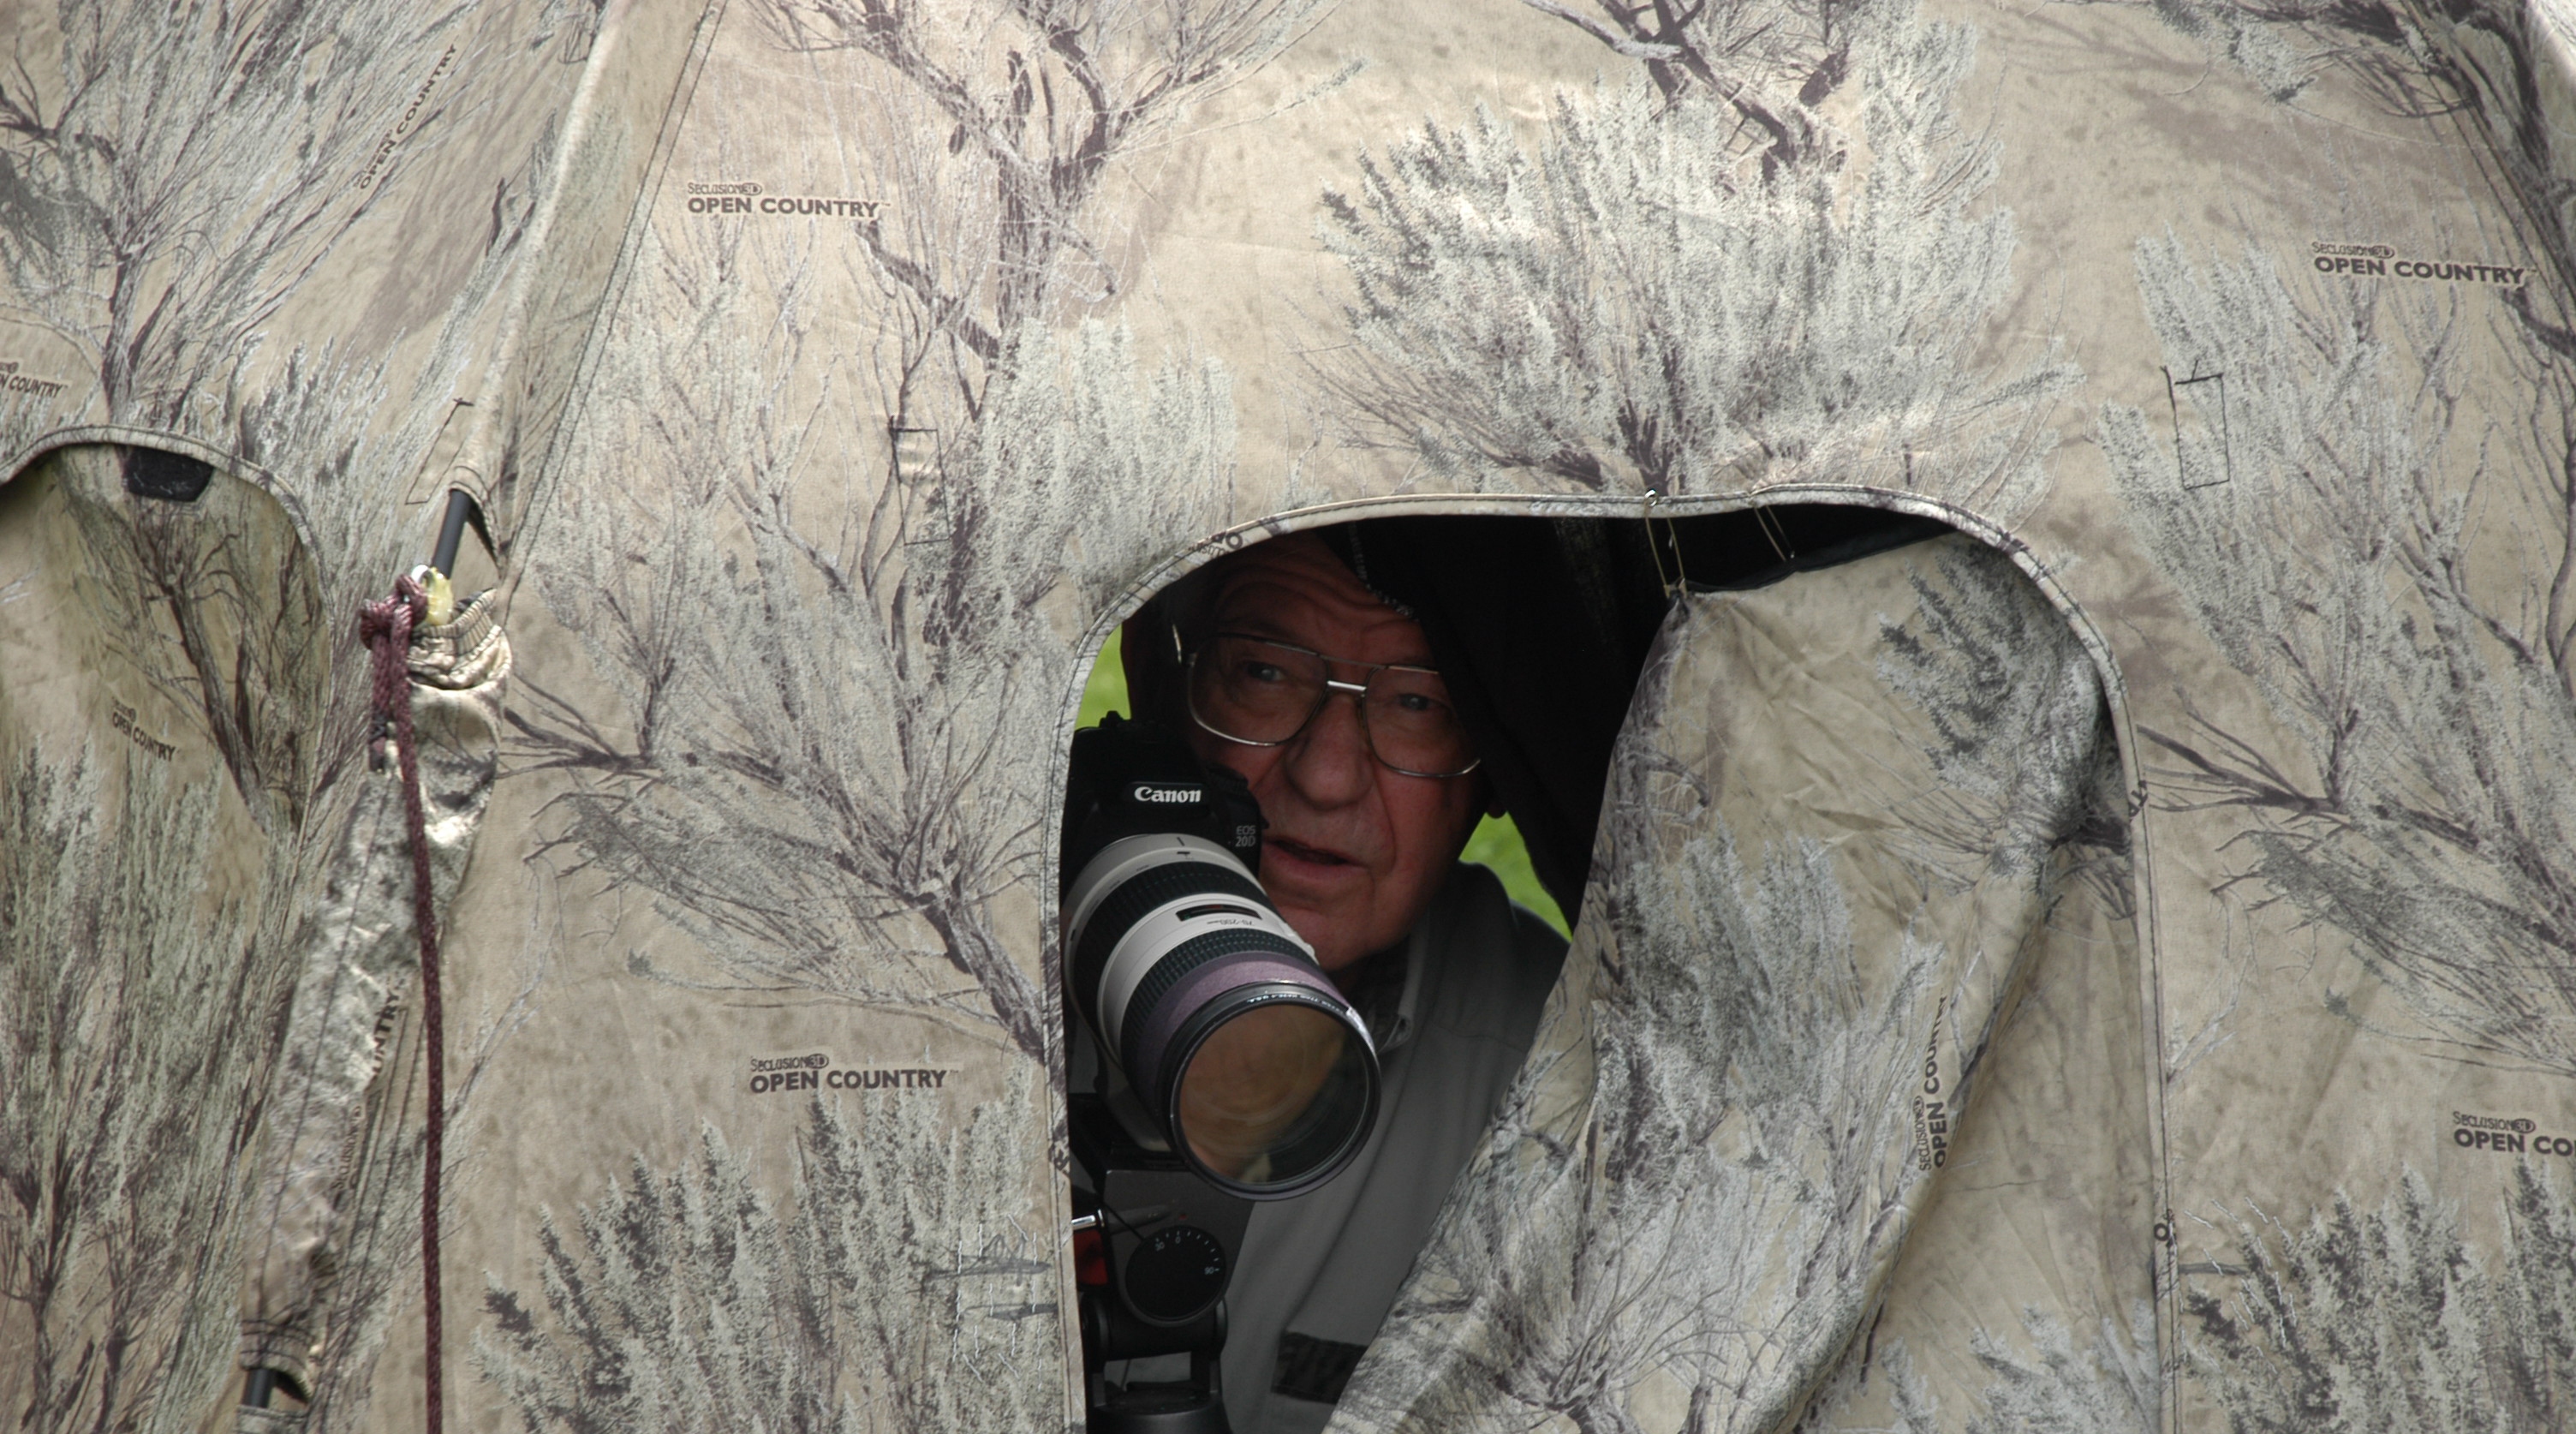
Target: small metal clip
{"x":1676,"y":583}
{"x":1770,"y":527}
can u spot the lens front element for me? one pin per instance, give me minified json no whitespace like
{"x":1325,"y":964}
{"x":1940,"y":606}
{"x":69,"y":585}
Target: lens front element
{"x":1276,"y":1093}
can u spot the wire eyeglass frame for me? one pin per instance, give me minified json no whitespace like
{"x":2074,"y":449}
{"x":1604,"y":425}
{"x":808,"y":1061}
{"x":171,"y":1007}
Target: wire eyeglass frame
{"x":1358,"y":691}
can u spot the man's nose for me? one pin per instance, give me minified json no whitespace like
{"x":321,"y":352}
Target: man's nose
{"x":1330,"y":764}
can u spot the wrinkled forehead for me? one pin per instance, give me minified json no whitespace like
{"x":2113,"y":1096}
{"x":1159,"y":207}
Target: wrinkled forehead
{"x":1296,"y":589}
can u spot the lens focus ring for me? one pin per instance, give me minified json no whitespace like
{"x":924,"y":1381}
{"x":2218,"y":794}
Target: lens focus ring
{"x":1169,"y":972}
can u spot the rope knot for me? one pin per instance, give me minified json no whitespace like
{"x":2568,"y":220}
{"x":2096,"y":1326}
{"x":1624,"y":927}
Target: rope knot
{"x":394,"y":616}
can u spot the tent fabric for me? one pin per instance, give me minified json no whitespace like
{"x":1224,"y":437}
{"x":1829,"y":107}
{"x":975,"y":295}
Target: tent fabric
{"x":238,"y":882}
{"x":359,"y":974}
{"x":184,"y":769}
{"x":1781,"y":1033}
{"x":834,"y":378}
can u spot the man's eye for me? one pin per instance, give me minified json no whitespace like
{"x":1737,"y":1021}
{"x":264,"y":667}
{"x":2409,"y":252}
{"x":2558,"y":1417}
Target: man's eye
{"x":1269,"y":672}
{"x":1415,"y":703}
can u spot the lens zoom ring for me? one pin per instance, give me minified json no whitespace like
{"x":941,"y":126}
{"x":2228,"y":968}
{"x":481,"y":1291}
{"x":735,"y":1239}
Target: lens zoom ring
{"x":1140,"y":894}
{"x":1189,"y":956}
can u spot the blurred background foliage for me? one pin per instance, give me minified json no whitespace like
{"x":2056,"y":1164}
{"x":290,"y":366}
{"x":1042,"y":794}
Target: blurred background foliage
{"x":1496,"y":844}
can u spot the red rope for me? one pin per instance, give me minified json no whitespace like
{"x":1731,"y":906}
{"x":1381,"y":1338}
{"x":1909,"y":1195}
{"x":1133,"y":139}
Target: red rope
{"x":386,"y":627}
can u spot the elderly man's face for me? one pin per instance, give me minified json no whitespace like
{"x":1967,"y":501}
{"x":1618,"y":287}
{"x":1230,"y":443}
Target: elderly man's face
{"x":1354,"y":850}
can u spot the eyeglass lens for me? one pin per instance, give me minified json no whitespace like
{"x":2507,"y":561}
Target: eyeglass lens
{"x":1266,"y":693}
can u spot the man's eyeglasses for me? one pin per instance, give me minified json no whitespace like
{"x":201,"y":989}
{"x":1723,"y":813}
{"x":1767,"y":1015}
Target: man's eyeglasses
{"x":1262,"y":693}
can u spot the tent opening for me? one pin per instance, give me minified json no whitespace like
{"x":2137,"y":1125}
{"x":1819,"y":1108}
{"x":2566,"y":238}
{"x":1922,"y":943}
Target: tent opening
{"x":170,"y":477}
{"x":1307,"y":940}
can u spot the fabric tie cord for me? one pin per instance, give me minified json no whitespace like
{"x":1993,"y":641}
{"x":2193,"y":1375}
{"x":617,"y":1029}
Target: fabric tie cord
{"x":386,"y":628}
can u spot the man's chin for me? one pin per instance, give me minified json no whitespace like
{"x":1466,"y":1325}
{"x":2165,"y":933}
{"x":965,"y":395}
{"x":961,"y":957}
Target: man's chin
{"x":1333,"y":936}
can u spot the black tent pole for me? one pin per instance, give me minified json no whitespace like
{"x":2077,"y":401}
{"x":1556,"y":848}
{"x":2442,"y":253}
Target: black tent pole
{"x":460,"y":506}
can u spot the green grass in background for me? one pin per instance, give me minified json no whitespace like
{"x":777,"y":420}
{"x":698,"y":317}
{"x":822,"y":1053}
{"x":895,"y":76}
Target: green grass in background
{"x":1496,"y":843}
{"x":1106,"y":692}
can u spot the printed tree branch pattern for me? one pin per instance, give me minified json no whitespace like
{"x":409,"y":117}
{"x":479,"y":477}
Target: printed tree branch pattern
{"x":785,"y":1318}
{"x":2427,"y":830}
{"x":131,"y":237}
{"x":754,"y":796}
{"x":118,"y":1211}
{"x":156,"y":276}
{"x":1609,"y":310}
{"x":2107,"y":968}
{"x":2387,"y":1318}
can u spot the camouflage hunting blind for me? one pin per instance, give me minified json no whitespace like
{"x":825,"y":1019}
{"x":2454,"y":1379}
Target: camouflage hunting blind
{"x":2107,"y":964}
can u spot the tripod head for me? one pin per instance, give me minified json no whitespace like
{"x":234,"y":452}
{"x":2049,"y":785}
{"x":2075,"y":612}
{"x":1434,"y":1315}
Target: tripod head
{"x":1155,"y":1249}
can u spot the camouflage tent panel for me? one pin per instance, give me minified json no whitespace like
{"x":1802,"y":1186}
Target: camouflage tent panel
{"x":846,"y":381}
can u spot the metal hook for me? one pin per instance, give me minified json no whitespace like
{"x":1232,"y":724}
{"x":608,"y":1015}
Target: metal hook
{"x":1772,"y":532}
{"x":1678,"y":582}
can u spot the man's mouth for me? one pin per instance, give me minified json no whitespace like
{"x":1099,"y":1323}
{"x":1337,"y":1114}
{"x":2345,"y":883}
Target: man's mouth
{"x":1299,"y":851}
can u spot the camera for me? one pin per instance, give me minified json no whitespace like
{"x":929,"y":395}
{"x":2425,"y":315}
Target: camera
{"x":1233,"y":1069}
{"x":1241,"y":1054}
